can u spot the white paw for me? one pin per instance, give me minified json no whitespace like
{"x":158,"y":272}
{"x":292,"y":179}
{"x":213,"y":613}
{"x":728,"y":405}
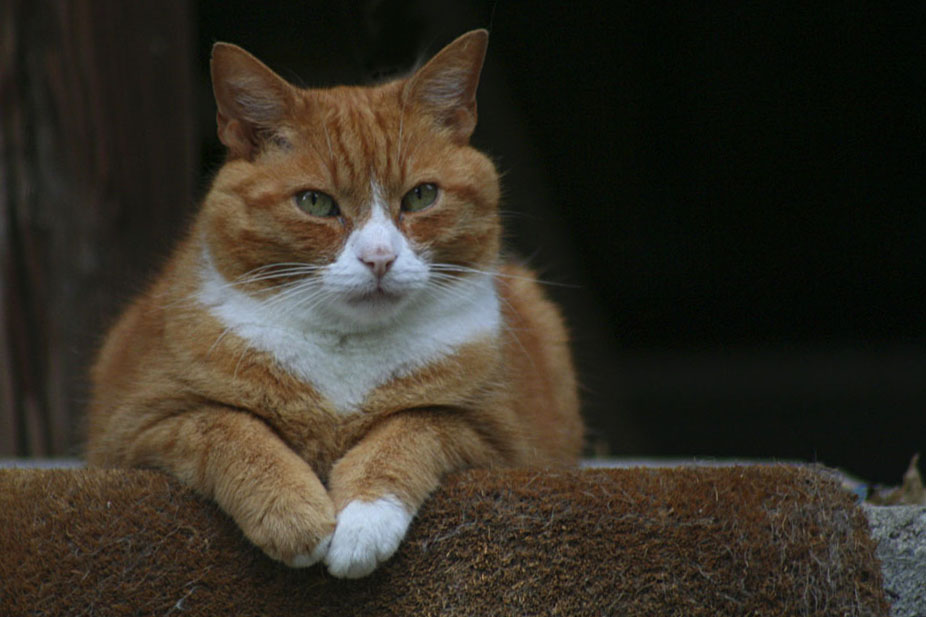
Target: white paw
{"x":367,"y":534}
{"x":304,"y":561}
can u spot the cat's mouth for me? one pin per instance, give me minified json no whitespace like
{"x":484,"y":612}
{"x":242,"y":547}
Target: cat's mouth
{"x":374,"y":297}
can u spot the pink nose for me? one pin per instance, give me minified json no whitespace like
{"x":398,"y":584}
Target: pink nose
{"x":378,"y":261}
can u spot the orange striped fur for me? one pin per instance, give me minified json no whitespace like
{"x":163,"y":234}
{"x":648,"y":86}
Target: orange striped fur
{"x":316,"y":373}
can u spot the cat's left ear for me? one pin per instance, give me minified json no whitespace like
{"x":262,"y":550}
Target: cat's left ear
{"x":253,"y":102}
{"x":445,"y":87}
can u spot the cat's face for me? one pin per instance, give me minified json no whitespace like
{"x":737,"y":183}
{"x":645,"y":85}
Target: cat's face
{"x":354,"y":204}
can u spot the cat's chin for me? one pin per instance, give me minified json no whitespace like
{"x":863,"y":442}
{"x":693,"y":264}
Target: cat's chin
{"x":372,"y":308}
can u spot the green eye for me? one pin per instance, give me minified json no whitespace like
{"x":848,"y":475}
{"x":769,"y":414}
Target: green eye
{"x":316,"y":203}
{"x":419,"y":197}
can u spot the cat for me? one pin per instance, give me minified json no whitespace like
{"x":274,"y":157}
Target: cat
{"x":337,"y":331}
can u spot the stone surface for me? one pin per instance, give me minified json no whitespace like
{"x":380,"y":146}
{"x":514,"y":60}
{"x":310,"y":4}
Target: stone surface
{"x":901,"y":535}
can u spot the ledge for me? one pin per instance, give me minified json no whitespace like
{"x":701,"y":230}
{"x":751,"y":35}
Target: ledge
{"x":760,"y":539}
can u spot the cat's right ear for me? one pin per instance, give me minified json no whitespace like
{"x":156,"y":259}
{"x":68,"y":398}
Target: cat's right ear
{"x":252,"y":100}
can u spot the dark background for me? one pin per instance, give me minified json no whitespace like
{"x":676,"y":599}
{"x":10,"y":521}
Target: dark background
{"x":733,"y":194}
{"x":726,"y":199}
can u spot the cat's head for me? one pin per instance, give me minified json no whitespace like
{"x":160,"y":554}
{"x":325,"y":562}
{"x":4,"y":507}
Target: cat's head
{"x":365,"y":200}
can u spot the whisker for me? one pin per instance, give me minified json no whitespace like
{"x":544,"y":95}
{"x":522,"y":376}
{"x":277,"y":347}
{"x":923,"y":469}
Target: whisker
{"x":443,"y":267}
{"x":218,"y":340}
{"x":275,"y":271}
{"x":444,"y":285}
{"x":269,"y":276}
{"x":281,"y":299}
{"x":301,"y":298}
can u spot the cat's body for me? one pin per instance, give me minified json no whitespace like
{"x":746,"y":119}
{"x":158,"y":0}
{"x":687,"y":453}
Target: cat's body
{"x":337,"y":332}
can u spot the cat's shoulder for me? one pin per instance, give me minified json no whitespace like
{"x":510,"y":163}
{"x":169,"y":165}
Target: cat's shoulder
{"x":525,"y":302}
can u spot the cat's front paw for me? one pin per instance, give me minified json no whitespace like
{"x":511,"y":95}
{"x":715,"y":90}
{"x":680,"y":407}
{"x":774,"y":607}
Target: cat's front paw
{"x":367,"y":534}
{"x":294,"y":531}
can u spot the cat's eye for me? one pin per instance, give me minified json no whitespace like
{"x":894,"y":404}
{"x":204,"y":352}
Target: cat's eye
{"x":317,"y":203}
{"x":419,"y":197}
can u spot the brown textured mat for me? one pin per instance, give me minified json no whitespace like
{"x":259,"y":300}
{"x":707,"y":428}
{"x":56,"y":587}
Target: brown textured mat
{"x":756,"y":540}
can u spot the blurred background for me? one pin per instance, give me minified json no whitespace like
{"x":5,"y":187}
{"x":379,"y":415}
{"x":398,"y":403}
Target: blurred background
{"x":726,"y":199}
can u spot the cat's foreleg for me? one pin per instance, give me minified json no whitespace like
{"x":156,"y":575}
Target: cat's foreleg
{"x":236,"y":459}
{"x":380,"y":483}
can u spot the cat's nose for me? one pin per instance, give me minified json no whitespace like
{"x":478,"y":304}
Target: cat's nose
{"x":379,"y":261}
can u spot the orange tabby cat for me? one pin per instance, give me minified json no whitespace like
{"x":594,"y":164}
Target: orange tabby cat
{"x":336,"y":332}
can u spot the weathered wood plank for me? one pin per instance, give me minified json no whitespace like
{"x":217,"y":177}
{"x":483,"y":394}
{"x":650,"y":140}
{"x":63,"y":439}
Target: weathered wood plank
{"x":97,"y":156}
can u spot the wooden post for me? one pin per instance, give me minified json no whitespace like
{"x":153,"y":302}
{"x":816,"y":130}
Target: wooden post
{"x":97,"y":160}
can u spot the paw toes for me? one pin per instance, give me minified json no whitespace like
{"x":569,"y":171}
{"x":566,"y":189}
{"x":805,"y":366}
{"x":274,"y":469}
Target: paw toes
{"x":367,"y":533}
{"x":304,"y":560}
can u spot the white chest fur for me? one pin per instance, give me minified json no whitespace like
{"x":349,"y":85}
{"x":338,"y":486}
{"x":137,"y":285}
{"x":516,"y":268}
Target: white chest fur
{"x":346,"y":366}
